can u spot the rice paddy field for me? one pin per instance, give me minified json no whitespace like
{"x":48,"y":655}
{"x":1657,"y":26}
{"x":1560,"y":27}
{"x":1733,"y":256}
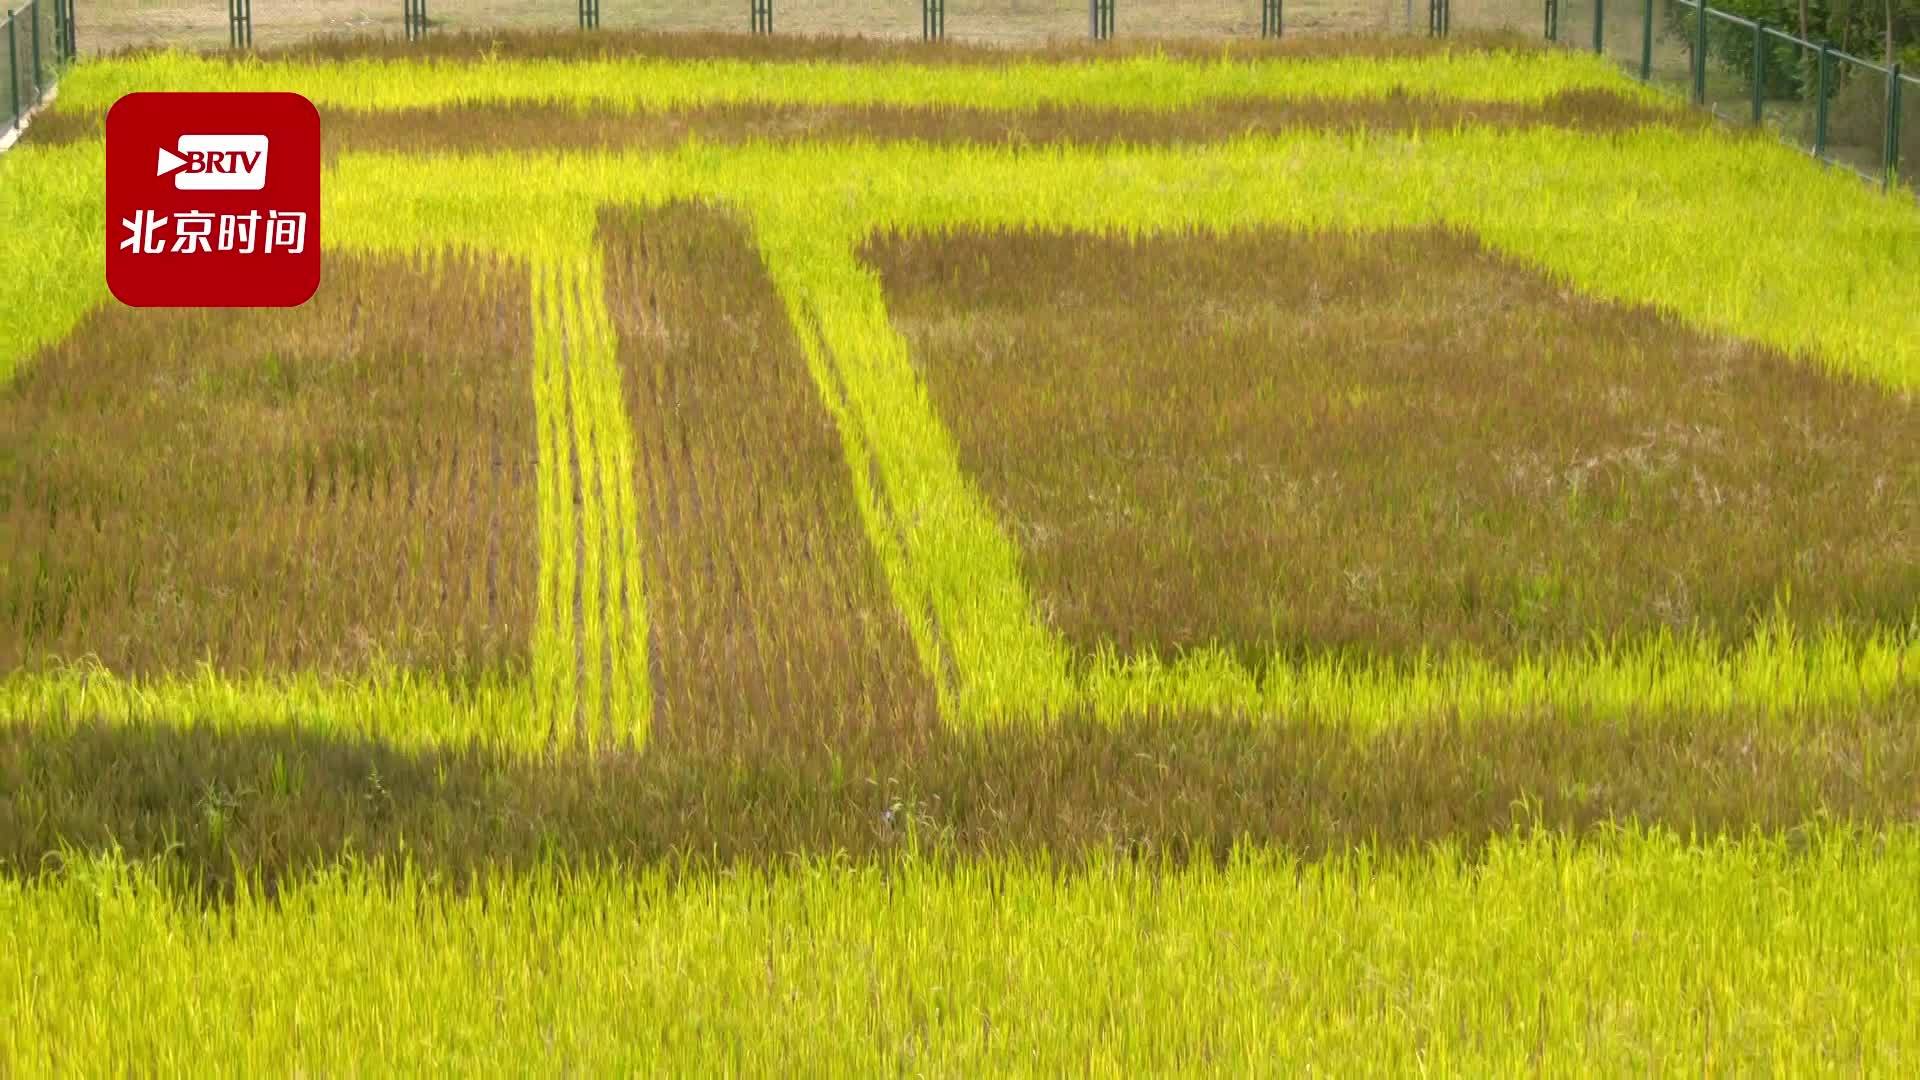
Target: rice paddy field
{"x":1363,"y":554}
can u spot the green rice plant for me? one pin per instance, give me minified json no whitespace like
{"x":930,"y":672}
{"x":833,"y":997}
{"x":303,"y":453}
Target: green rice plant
{"x":591,"y":638}
{"x":404,"y":708}
{"x":556,"y":646}
{"x":1635,"y":953}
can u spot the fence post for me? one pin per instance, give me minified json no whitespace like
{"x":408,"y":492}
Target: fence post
{"x":933,"y":20}
{"x":240,"y":24}
{"x":1553,"y":20}
{"x":762,"y":11}
{"x":1700,"y":54}
{"x":13,"y":77}
{"x":589,"y":14}
{"x":1759,"y":73}
{"x":33,"y":23}
{"x":1646,"y":43}
{"x":1100,"y":19}
{"x":1272,"y":18}
{"x":1599,"y":25}
{"x":416,"y":19}
{"x":1892,"y":159}
{"x":1820,"y":106}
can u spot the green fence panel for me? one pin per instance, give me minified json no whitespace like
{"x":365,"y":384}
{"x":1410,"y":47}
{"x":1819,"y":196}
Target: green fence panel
{"x":15,"y":99}
{"x":1857,"y":108}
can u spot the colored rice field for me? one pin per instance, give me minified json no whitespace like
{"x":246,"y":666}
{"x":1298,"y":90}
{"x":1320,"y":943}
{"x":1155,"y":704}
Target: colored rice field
{"x":830,"y":555}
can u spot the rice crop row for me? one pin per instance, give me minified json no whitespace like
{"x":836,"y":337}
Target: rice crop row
{"x":771,"y":625}
{"x":1294,"y":444}
{"x":557,"y":128}
{"x":1639,"y":953}
{"x":401,"y":708}
{"x":334,"y":490}
{"x":1139,"y":82}
{"x":590,"y":641}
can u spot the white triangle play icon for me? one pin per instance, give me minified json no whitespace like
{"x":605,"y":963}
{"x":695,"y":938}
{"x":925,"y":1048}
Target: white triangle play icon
{"x":169,"y":161}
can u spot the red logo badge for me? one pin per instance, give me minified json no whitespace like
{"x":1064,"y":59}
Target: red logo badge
{"x":213,"y":200}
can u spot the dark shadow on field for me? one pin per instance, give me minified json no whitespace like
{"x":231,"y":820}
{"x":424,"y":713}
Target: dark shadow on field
{"x":278,"y":804}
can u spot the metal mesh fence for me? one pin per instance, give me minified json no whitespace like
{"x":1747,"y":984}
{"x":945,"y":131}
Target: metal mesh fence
{"x":10,"y":98}
{"x":1841,"y":108}
{"x":33,"y":41}
{"x":1526,"y":17}
{"x":110,"y":25}
{"x":1848,"y":110}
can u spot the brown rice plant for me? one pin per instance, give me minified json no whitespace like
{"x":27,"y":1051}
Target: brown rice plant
{"x":766,"y":608}
{"x":555,"y":127}
{"x":327,"y":490}
{"x":1394,"y":445}
{"x":278,"y":802}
